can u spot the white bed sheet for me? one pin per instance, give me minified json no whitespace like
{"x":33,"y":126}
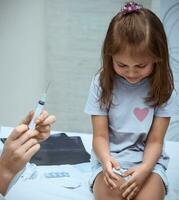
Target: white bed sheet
{"x":41,"y":188}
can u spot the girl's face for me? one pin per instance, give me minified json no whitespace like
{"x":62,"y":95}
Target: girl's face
{"x":130,"y":68}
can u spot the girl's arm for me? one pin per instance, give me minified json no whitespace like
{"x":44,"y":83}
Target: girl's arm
{"x":101,"y":149}
{"x":152,"y":153}
{"x":154,"y":143}
{"x":101,"y":137}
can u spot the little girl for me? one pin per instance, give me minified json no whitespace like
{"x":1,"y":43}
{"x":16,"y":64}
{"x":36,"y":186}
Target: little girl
{"x":131,"y":101}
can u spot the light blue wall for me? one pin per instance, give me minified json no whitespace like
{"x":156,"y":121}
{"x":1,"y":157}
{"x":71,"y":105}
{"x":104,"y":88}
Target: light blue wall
{"x":170,"y":17}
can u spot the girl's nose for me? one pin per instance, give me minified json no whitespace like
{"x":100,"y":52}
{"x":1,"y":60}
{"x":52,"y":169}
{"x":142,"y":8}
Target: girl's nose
{"x":132,"y":73}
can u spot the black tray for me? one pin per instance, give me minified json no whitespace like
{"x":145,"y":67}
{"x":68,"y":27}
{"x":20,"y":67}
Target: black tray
{"x":61,"y":149}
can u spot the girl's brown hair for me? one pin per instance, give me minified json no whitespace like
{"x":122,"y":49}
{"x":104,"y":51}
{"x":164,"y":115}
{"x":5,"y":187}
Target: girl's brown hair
{"x":144,"y":33}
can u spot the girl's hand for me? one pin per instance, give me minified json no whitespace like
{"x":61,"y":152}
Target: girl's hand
{"x":131,"y":187}
{"x":43,"y":124}
{"x":109,"y":175}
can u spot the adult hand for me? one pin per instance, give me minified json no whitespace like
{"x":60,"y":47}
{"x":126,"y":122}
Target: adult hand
{"x":43,"y":124}
{"x":18,"y":149}
{"x":21,"y":145}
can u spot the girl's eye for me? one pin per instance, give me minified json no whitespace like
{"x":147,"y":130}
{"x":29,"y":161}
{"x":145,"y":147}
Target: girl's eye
{"x":122,"y":66}
{"x":141,"y":66}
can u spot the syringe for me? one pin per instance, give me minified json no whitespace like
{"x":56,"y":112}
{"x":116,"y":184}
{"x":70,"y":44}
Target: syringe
{"x":39,"y":109}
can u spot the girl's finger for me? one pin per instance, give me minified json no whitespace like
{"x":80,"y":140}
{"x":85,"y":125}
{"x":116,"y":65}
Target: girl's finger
{"x":115,"y":163}
{"x":129,"y":172}
{"x":133,"y":194}
{"x":129,"y":190}
{"x":113,"y":175}
{"x":105,"y":180}
{"x":127,"y":184}
{"x":110,"y":181}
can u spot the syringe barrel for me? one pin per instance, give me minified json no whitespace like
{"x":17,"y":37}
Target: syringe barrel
{"x":37,"y":113}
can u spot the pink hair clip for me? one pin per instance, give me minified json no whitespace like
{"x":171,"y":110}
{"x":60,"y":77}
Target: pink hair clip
{"x":130,"y":7}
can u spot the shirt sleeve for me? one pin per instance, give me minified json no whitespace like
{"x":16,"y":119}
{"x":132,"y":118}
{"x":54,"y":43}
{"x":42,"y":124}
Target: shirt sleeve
{"x":168,"y":109}
{"x":93,"y":105}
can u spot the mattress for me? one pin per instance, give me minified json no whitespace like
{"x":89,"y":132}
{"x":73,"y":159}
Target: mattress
{"x":49,"y":182}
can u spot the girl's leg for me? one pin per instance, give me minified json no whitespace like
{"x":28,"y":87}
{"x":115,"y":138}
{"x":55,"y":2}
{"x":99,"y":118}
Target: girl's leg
{"x":103,"y":192}
{"x":152,"y":189}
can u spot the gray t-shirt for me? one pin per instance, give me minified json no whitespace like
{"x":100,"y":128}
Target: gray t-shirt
{"x":1,"y":197}
{"x":130,"y":119}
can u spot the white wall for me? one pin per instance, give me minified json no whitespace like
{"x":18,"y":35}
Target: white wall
{"x":22,"y":57}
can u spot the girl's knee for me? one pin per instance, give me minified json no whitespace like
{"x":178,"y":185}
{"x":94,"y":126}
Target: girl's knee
{"x":149,"y":196}
{"x":145,"y":197}
{"x":152,"y":189}
{"x":103,"y":191}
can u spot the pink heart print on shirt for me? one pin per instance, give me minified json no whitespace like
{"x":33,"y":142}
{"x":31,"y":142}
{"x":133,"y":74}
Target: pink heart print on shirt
{"x":141,"y":113}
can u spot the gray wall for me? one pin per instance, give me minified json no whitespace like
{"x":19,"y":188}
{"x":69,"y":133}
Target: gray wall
{"x":60,"y":41}
{"x":75,"y":32}
{"x":22,"y":57}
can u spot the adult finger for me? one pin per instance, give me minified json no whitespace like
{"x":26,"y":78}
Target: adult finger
{"x":48,"y":121}
{"x":27,"y":135}
{"x":27,"y":145}
{"x":42,"y":117}
{"x":33,"y":150}
{"x":18,"y":131}
{"x":42,"y":136}
{"x":43,"y":128}
{"x":28,"y":118}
